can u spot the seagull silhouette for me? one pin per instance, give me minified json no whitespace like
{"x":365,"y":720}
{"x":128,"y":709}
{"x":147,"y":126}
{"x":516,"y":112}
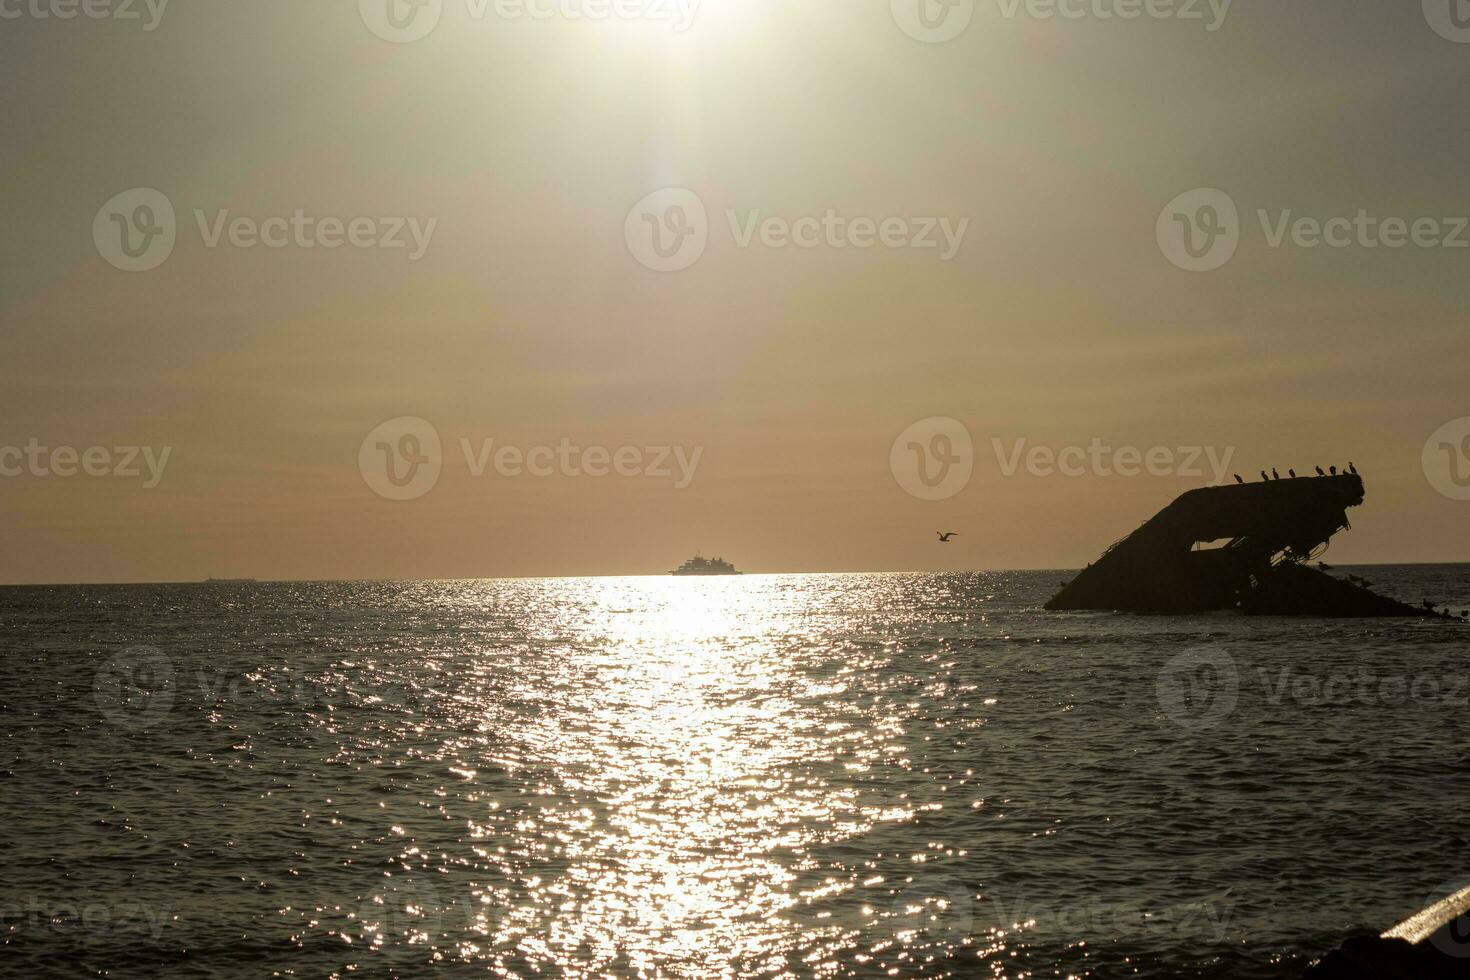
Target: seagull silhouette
{"x":1274,"y":474}
{"x":1333,"y":469}
{"x":1319,"y":472}
{"x":1291,"y":473}
{"x":1352,"y":469}
{"x":944,"y":536}
{"x":1238,"y":479}
{"x":1265,"y":477}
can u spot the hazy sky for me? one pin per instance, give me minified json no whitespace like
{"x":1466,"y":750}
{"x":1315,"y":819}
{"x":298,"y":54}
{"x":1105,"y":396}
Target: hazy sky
{"x":519,"y":148}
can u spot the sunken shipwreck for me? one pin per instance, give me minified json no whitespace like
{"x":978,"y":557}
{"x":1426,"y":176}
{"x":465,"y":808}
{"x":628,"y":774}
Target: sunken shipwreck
{"x":1243,"y":547}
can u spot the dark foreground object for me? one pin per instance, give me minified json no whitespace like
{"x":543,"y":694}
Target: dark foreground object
{"x":1433,"y":945}
{"x":1234,"y":547}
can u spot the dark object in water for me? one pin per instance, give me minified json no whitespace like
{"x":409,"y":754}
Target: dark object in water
{"x":699,"y":565}
{"x":1234,"y":547}
{"x":1430,"y":945}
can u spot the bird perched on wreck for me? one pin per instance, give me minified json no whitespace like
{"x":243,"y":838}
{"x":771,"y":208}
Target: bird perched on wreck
{"x":1333,"y":469}
{"x":1274,"y":474}
{"x":1264,"y":477}
{"x":1238,"y":479}
{"x":1352,"y":469}
{"x":1319,"y":472}
{"x":1291,"y":473}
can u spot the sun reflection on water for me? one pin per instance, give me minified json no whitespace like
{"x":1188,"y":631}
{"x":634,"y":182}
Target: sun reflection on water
{"x":662,"y":777}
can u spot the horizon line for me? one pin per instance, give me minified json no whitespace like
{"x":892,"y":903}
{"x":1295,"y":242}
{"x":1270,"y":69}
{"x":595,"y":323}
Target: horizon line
{"x":248,"y":580}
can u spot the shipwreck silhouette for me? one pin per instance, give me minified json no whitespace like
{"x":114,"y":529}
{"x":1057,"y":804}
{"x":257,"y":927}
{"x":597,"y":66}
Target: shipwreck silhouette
{"x":1244,"y":547}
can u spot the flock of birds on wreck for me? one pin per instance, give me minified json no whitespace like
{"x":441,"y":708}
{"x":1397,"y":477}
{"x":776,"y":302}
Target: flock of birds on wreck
{"x":1352,"y":469}
{"x":1291,"y":474}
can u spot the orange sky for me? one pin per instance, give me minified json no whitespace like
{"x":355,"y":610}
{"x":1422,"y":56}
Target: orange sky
{"x":514,"y":155}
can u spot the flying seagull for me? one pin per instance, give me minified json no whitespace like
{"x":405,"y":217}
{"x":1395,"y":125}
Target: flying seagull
{"x":944,"y":536}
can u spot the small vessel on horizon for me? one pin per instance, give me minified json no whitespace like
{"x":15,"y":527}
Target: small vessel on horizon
{"x":699,"y":565}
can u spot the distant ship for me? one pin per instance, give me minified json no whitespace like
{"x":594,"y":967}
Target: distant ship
{"x":699,"y":565}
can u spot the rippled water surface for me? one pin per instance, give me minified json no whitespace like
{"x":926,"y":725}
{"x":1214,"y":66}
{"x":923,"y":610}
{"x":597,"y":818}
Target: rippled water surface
{"x":767,"y":776}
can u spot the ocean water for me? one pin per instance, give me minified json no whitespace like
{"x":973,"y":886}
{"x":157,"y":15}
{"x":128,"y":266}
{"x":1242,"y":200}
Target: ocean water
{"x":768,"y":776}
